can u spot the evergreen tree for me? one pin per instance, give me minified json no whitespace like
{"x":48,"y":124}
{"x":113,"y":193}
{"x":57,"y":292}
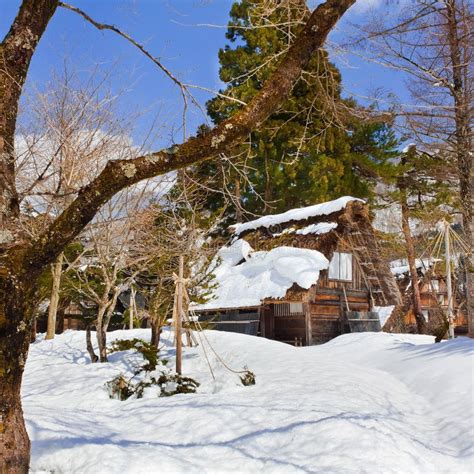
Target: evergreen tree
{"x":305,"y":152}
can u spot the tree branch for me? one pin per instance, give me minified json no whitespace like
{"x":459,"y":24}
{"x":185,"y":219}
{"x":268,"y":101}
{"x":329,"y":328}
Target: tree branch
{"x":119,"y":174}
{"x":104,"y":26}
{"x":16,"y":51}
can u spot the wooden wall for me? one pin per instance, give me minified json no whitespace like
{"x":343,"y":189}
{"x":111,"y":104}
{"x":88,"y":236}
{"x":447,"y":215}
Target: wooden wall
{"x":321,"y":321}
{"x":327,"y":309}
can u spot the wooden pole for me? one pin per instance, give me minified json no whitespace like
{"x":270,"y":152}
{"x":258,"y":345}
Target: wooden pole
{"x":448,"y":280}
{"x":179,"y":314}
{"x":56,"y":270}
{"x":131,"y":307}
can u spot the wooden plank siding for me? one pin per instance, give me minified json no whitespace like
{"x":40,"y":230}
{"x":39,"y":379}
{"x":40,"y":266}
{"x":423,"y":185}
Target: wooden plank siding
{"x":326,"y":311}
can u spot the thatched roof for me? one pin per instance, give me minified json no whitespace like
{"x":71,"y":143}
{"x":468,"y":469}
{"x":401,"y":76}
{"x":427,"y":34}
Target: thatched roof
{"x":343,"y":224}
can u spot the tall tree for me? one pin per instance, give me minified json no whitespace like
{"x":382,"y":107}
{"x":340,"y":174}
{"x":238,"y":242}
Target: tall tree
{"x":23,"y":259}
{"x":416,"y":184}
{"x":432,"y":42}
{"x":314,"y":147}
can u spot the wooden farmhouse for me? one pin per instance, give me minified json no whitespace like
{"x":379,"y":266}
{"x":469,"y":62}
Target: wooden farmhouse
{"x":302,"y":277}
{"x":433,"y":298}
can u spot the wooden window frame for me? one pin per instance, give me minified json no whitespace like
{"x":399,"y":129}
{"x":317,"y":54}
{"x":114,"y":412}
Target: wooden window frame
{"x":339,"y":267}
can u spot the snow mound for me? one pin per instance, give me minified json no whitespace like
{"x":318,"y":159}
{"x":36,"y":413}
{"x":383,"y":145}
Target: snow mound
{"x":261,"y":274}
{"x":362,"y":403}
{"x":235,"y":253}
{"x":299,"y":214}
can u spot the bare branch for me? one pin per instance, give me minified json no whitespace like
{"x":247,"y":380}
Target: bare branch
{"x":119,"y":174}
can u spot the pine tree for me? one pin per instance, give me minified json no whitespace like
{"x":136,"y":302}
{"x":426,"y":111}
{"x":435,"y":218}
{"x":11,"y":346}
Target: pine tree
{"x":304,"y":153}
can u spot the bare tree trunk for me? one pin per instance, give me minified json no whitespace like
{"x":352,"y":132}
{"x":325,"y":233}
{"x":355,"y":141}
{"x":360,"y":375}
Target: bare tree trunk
{"x":33,"y":331}
{"x":463,"y":140}
{"x":15,"y":331}
{"x":155,"y":334}
{"x":90,"y":347}
{"x":60,"y":315}
{"x":238,"y":202}
{"x":56,"y":271}
{"x":100,"y":333}
{"x":102,"y":341}
{"x":420,"y":319}
{"x":15,"y":444}
{"x":103,"y":319}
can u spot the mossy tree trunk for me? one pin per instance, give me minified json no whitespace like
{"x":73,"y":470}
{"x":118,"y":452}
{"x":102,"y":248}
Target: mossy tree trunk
{"x":15,"y":331}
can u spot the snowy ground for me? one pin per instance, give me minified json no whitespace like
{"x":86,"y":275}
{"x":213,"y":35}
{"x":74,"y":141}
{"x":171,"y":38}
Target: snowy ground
{"x":363,"y":403}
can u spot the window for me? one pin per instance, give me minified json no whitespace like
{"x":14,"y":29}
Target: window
{"x":288,"y":309}
{"x":340,"y":267}
{"x":435,"y":285}
{"x":426,"y":314}
{"x":296,"y":308}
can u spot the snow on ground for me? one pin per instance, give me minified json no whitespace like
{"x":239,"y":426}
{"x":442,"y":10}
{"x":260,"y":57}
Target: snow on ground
{"x":368,"y":402}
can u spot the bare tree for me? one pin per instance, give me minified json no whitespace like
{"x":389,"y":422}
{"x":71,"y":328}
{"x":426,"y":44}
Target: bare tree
{"x":73,"y":132}
{"x":24,"y":258}
{"x":117,"y":249}
{"x":431,"y":42}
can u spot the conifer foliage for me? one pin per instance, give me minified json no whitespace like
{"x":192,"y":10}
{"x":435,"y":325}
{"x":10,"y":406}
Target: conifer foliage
{"x":314,"y":148}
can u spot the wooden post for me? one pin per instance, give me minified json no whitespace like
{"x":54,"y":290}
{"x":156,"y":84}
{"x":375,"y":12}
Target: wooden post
{"x":131,"y":307}
{"x":307,"y":317}
{"x":56,"y":270}
{"x":448,"y":280}
{"x":179,"y":313}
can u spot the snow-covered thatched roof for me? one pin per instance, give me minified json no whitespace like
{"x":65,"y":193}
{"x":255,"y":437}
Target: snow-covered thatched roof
{"x":300,"y":214}
{"x":244,"y":278}
{"x":276,"y":253}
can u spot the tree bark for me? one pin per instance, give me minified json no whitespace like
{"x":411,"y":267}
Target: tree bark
{"x":56,"y":272}
{"x":410,"y":250}
{"x":155,"y":334}
{"x":15,"y":332}
{"x":102,"y":341}
{"x":33,"y":331}
{"x":463,"y":145}
{"x":60,"y":315}
{"x":90,"y":347}
{"x":101,"y":333}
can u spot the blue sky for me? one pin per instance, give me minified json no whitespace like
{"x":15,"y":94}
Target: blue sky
{"x":169,"y":29}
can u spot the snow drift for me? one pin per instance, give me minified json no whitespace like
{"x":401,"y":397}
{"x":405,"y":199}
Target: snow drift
{"x":369,"y":402}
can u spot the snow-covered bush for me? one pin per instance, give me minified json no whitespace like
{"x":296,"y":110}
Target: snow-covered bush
{"x":153,"y":374}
